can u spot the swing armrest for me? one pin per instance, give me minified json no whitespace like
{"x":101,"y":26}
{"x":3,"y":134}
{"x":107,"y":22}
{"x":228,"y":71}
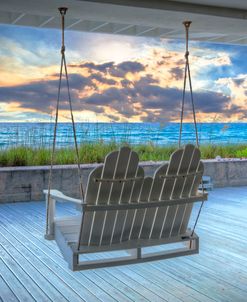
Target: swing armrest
{"x":59,"y":196}
{"x":55,"y":196}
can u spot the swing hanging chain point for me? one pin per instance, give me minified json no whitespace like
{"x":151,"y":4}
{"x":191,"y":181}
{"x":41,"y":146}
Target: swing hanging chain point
{"x":187,"y":27}
{"x":187,"y":23}
{"x":63,"y":11}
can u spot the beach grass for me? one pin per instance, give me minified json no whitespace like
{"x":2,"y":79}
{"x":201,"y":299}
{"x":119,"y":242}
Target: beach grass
{"x":95,"y":153}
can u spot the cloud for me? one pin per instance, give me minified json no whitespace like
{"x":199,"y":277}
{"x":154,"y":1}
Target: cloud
{"x":120,"y":70}
{"x":239,"y":81}
{"x":109,"y":85}
{"x":168,"y":100}
{"x":146,"y":80}
{"x":130,"y":90}
{"x":211,"y":102}
{"x":115,"y":70}
{"x":237,"y":88}
{"x":126,"y":83}
{"x":100,"y":78}
{"x":106,"y":98}
{"x":41,"y":95}
{"x":92,"y":66}
{"x":177,"y":73}
{"x":78,"y":81}
{"x":156,"y":102}
{"x":144,"y":98}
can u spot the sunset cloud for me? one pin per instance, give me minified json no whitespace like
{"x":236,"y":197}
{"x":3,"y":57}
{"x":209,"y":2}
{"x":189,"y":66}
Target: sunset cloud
{"x":145,"y":85}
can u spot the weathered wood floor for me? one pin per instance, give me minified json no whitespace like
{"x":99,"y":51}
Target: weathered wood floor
{"x":32,"y":269}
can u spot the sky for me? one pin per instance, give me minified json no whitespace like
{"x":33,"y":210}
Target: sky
{"x":117,"y":78}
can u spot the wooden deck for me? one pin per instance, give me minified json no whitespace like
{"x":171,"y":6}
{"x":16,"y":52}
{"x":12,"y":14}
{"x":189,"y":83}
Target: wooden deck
{"x":32,"y":269}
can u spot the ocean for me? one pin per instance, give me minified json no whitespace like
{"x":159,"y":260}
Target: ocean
{"x":41,"y":134}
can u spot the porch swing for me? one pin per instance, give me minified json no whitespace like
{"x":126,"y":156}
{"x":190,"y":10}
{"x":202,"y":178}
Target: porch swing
{"x":122,"y":210}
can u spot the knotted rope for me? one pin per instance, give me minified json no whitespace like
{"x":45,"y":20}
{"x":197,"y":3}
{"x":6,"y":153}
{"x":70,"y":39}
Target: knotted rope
{"x":63,"y":11}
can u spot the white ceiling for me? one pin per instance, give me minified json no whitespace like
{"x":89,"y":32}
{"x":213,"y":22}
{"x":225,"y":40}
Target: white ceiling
{"x":220,"y":21}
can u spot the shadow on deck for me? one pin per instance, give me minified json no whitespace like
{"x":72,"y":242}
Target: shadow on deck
{"x":32,"y":269}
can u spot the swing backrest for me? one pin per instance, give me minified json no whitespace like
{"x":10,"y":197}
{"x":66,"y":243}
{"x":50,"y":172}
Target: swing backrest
{"x":179,"y":178}
{"x":121,"y":181}
{"x":102,"y":228}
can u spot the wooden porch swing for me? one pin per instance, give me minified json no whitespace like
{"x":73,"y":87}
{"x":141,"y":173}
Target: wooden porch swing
{"x":142,"y":218}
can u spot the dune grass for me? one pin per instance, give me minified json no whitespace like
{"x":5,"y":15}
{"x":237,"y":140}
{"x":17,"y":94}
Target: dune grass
{"x":95,"y":153}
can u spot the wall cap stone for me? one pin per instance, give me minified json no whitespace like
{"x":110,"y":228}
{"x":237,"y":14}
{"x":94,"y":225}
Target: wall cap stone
{"x":90,"y":166}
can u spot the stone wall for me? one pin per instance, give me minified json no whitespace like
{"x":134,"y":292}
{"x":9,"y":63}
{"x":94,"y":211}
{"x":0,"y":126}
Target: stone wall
{"x":27,"y":183}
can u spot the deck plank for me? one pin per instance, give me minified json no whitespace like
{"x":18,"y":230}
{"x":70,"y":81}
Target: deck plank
{"x":63,"y":290}
{"x":23,"y":270}
{"x":136,"y":297}
{"x":15,"y":286}
{"x":51,"y":260}
{"x":92,"y":277}
{"x":32,"y":269}
{"x":6,"y":293}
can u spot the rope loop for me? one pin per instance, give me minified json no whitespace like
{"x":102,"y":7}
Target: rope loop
{"x":187,"y":73}
{"x":186,"y":55}
{"x":63,"y":49}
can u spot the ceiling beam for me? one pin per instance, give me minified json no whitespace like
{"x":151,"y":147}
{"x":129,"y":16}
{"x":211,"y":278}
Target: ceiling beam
{"x":166,"y":34}
{"x":146,"y":30}
{"x":216,"y":37}
{"x":46,"y":21}
{"x":98,"y":26}
{"x":236,"y":40}
{"x":123,"y":29}
{"x":18,"y":18}
{"x":73,"y":24}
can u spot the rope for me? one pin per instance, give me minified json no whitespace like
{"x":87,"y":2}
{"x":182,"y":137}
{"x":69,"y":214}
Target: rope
{"x":74,"y":133}
{"x":182,"y":109}
{"x":193,"y":107}
{"x":63,"y":11}
{"x":187,"y":72}
{"x":197,"y":217}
